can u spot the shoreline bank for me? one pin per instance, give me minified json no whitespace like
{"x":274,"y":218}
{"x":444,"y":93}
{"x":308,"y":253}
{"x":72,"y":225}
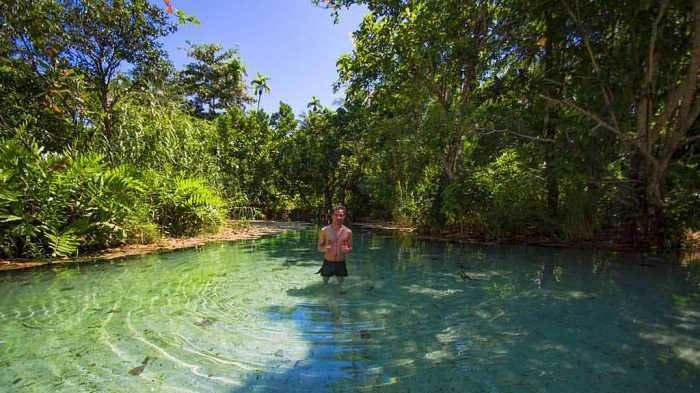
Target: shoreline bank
{"x":693,"y":239}
{"x":229,"y":232}
{"x":258,"y":228}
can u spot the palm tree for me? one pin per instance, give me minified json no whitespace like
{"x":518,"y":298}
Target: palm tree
{"x":314,"y":104}
{"x":260,"y":86}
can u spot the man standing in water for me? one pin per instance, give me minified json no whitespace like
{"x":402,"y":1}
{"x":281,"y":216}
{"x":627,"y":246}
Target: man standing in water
{"x":335,"y":242}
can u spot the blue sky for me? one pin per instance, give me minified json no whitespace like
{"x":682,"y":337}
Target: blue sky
{"x":293,"y":42}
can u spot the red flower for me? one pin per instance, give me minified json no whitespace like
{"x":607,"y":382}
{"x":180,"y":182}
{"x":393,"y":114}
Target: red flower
{"x":170,"y":8}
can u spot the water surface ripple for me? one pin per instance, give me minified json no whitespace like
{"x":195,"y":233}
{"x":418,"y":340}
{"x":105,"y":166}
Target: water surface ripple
{"x":415,"y":316}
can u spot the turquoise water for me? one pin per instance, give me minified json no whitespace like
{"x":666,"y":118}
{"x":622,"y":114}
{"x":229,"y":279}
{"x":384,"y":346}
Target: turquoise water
{"x":414,"y":316}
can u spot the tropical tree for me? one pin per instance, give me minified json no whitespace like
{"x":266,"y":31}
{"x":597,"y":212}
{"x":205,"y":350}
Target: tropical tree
{"x":114,"y":34}
{"x":284,"y":121}
{"x":309,"y":159}
{"x":315,"y":104}
{"x":429,"y":61}
{"x":214,"y":82}
{"x":34,"y":87}
{"x":76,"y":52}
{"x":641,"y":64}
{"x":591,"y":99}
{"x":260,"y":86}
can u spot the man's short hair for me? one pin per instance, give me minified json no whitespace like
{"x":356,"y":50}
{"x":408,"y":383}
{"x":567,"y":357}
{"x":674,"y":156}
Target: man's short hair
{"x":339,"y":206}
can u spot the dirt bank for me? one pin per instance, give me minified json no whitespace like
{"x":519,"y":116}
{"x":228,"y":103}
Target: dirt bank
{"x":230,"y":231}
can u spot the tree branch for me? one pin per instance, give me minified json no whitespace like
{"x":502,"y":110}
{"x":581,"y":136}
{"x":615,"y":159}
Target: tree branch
{"x":505,"y":131}
{"x":693,"y":77}
{"x":694,"y":114}
{"x":690,"y":140}
{"x":652,"y":43}
{"x":607,"y":95}
{"x":584,"y":112}
{"x":686,"y":93}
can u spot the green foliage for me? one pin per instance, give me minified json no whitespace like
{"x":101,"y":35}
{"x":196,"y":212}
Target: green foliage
{"x":55,"y":204}
{"x":260,"y":86}
{"x":517,"y":203}
{"x":184,"y":206}
{"x":62,"y":244}
{"x":157,"y":134}
{"x":214,"y":81}
{"x":497,"y":119}
{"x":249,"y":152}
{"x":143,"y":232}
{"x":556,"y":119}
{"x":246,"y":213}
{"x":184,"y":18}
{"x":501,"y":198}
{"x":62,"y":65}
{"x":684,"y":197}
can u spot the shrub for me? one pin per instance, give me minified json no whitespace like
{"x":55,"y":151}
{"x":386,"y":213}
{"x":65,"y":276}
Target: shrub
{"x":55,"y":204}
{"x":184,"y":206}
{"x":498,"y":199}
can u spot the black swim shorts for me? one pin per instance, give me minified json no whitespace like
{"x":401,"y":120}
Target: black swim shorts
{"x":330,"y":268}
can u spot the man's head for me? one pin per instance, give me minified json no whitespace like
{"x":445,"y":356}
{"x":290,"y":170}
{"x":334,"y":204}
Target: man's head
{"x":339,"y":212}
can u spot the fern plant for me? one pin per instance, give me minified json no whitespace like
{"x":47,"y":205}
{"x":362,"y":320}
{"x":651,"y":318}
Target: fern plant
{"x":185,"y":206}
{"x":55,"y":204}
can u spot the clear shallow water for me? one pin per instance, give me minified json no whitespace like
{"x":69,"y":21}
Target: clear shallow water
{"x":414,"y":316}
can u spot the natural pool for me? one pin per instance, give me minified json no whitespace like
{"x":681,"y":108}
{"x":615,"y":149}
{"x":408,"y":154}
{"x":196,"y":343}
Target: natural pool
{"x":414,"y":316}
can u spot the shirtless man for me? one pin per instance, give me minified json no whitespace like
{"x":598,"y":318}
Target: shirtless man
{"x":335,"y":242}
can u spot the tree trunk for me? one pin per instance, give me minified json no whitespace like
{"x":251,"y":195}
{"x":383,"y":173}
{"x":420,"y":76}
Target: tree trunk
{"x":657,"y":140}
{"x":327,"y":197}
{"x":549,"y":170}
{"x":436,"y":208}
{"x":638,"y":224}
{"x":650,"y":191}
{"x":655,"y":193}
{"x":454,"y":148}
{"x":550,"y":63}
{"x":107,"y":120}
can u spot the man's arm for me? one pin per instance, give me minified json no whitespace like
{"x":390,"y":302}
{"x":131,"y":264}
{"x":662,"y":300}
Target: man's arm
{"x":348,"y":242}
{"x":321,"y":241}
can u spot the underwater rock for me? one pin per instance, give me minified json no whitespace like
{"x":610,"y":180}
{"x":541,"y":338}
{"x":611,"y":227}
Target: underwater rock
{"x":28,"y":326}
{"x":206,"y":321}
{"x":279,"y":353}
{"x":466,"y":276}
{"x":364,"y":334}
{"x":136,"y":371}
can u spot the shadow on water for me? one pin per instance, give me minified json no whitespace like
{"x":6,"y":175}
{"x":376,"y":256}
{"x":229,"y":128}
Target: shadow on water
{"x":434,"y":317}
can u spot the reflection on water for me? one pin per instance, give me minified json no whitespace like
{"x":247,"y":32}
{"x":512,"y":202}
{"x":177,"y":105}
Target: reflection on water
{"x":413,"y":316}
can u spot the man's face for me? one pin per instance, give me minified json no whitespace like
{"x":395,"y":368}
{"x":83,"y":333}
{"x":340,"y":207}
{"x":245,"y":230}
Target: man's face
{"x":339,"y":215}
